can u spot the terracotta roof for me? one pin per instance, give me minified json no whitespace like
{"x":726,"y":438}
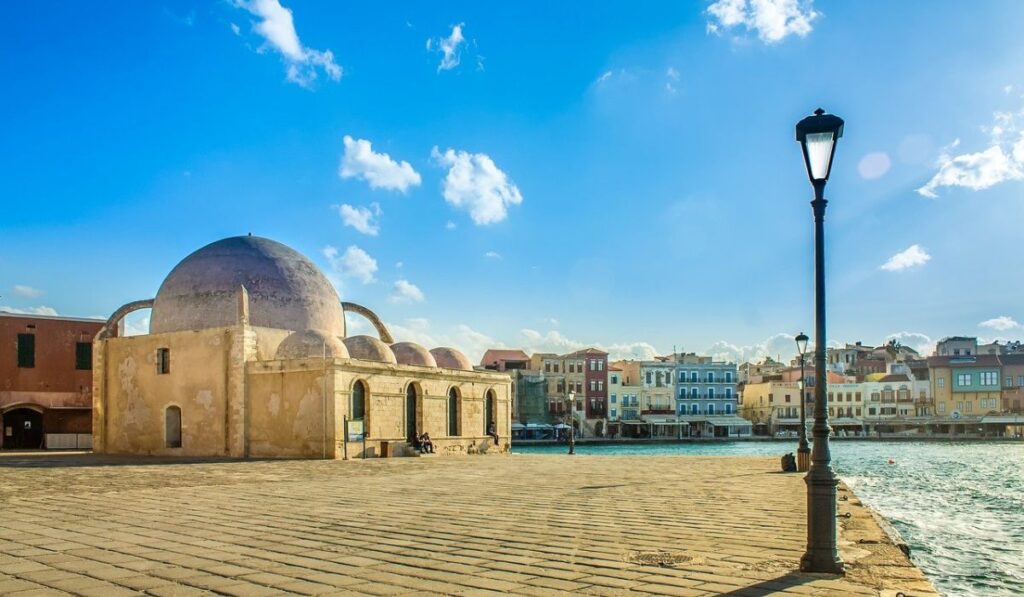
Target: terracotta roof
{"x":614,"y":368}
{"x":585,"y":351}
{"x":494,"y":355}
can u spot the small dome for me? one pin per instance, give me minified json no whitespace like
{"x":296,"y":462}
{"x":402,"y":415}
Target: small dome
{"x":449,"y":358}
{"x":368,"y":348}
{"x":410,"y":353}
{"x":286,"y":290}
{"x":311,"y":343}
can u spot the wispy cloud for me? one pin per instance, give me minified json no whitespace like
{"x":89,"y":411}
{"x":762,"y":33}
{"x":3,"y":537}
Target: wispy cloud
{"x":450,"y":225}
{"x":450,"y":48}
{"x":277,"y":28}
{"x":922,"y":343}
{"x":771,"y":20}
{"x":363,"y":219}
{"x":40,"y":310}
{"x":671,"y":80}
{"x":533,"y":341}
{"x":1002,"y":161}
{"x":353,"y":263}
{"x":377,"y":169}
{"x":405,"y":291}
{"x":912,"y":256}
{"x":26,"y":291}
{"x":1002,"y":323}
{"x":474,"y":183}
{"x":492,"y":255}
{"x":779,"y":346}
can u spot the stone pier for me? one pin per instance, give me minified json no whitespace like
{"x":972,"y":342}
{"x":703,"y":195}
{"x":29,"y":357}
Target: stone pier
{"x":518,"y":524}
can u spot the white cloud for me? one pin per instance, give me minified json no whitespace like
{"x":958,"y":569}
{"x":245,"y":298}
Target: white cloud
{"x":874,"y":165}
{"x":604,"y":77}
{"x":779,"y":346}
{"x":236,"y":29}
{"x":553,"y":341}
{"x":475,"y":183}
{"x":136,"y":324}
{"x":354,"y":263}
{"x":406,"y":292}
{"x":378,"y":169}
{"x":772,"y":20}
{"x":1003,"y":160}
{"x":450,"y":225}
{"x":450,"y":48}
{"x":26,"y":291}
{"x":492,"y":255}
{"x":40,"y":310}
{"x":1001,"y":323}
{"x":922,"y":343}
{"x":913,"y":256}
{"x":278,"y":29}
{"x":361,"y":218}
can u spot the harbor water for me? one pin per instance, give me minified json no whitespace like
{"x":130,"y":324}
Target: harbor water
{"x":959,"y":505}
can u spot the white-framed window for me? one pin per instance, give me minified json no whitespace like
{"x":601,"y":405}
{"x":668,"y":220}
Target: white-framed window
{"x":615,"y":379}
{"x":728,"y":393}
{"x":711,"y":409}
{"x":963,"y":379}
{"x":693,"y":377}
{"x":989,"y":378}
{"x":942,"y":408}
{"x":711,"y":376}
{"x":600,"y":365}
{"x":615,"y":414}
{"x":682,"y":376}
{"x":612,"y":398}
{"x":711,"y":393}
{"x":694,"y":393}
{"x":941,"y":382}
{"x":600,"y":385}
{"x":728,"y":409}
{"x":1009,"y":381}
{"x":694,"y":409}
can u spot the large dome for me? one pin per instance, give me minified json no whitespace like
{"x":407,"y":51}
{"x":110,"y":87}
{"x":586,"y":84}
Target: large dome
{"x":286,"y":291}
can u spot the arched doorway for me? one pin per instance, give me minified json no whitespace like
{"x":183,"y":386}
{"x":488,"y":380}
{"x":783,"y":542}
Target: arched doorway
{"x":412,"y":432}
{"x":23,"y":429}
{"x":490,"y":406}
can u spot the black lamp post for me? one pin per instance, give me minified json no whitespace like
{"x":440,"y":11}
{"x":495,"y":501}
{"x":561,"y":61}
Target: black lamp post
{"x":803,"y":450}
{"x":818,"y":135}
{"x":572,"y":423}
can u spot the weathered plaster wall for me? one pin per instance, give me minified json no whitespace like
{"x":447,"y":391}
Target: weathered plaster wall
{"x":290,"y":408}
{"x":132,"y":397}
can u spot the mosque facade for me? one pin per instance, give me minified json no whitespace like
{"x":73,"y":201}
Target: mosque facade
{"x":247,"y":357}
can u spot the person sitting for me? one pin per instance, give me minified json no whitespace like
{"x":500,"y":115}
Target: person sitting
{"x":492,"y":431}
{"x":425,"y":445}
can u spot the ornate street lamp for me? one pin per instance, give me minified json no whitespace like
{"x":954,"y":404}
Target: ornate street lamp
{"x":818,"y":135}
{"x":572,"y":423}
{"x":803,"y":450}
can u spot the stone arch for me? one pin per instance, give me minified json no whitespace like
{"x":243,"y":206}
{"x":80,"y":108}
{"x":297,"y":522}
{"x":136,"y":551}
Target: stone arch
{"x":382,"y":330}
{"x":114,"y":320}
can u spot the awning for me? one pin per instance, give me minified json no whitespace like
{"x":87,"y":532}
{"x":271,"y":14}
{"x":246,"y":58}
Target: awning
{"x":561,"y":426}
{"x":518,"y":426}
{"x":538,"y":426}
{"x":633,"y":422}
{"x":729,"y":421}
{"x":693,"y":419}
{"x":1004,"y":419}
{"x":662,"y":421}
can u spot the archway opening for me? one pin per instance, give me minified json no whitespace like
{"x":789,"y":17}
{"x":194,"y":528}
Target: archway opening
{"x":172,"y":430}
{"x":490,"y":407}
{"x":23,"y":429}
{"x":412,"y":432}
{"x":453,"y":412}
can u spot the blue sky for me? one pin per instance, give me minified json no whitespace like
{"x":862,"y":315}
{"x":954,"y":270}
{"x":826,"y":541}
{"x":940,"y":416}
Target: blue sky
{"x":532,"y":174}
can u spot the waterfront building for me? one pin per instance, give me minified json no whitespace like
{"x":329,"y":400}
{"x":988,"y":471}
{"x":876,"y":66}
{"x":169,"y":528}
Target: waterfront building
{"x":758,"y":372}
{"x":844,"y":359}
{"x":773,"y":406}
{"x":46,"y":381}
{"x":657,"y":401}
{"x":584,"y":373}
{"x":845,"y":407}
{"x":965,"y":388}
{"x":957,"y":346}
{"x":247,"y":356}
{"x":897,"y":401}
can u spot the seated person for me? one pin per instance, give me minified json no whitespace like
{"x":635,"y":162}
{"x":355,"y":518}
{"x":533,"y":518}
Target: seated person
{"x":425,"y":445}
{"x":493,"y":432}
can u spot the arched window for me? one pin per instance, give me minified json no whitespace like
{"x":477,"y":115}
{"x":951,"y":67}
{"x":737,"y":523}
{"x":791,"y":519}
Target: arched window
{"x":172,"y":426}
{"x":711,"y":409}
{"x":453,"y":412}
{"x":694,"y":393}
{"x":490,"y":406}
{"x":728,"y":409}
{"x":695,"y":409}
{"x":357,"y":410}
{"x":711,"y":393}
{"x":711,"y":376}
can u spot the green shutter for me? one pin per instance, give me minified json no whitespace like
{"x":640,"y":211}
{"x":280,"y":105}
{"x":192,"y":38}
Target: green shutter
{"x":27,"y":350}
{"x":83,"y":355}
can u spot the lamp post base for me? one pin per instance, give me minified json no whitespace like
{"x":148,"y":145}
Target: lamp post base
{"x":822,"y":554}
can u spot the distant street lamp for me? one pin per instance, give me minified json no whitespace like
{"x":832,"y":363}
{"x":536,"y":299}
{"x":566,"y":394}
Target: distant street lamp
{"x":818,"y":135}
{"x":572,"y":423}
{"x":803,"y":450}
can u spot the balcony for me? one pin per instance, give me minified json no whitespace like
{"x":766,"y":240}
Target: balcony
{"x":658,"y":411}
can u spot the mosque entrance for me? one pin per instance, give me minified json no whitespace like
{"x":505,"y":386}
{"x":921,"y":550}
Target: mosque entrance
{"x":23,"y":429}
{"x":412,"y":430}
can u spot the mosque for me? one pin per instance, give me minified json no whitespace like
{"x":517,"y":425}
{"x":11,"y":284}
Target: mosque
{"x":247,"y":357}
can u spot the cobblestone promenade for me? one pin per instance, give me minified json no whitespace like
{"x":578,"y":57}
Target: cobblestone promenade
{"x":518,"y":524}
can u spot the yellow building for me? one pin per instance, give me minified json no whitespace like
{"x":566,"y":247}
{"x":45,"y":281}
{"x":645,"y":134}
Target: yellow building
{"x":773,"y":406}
{"x":247,"y":356}
{"x":965,"y":389}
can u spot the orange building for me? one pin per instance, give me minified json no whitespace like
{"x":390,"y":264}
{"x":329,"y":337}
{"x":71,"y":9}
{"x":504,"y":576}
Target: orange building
{"x":46,"y":381}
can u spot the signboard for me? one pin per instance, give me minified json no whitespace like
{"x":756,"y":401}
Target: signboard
{"x":355,"y":431}
{"x":956,"y":415}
